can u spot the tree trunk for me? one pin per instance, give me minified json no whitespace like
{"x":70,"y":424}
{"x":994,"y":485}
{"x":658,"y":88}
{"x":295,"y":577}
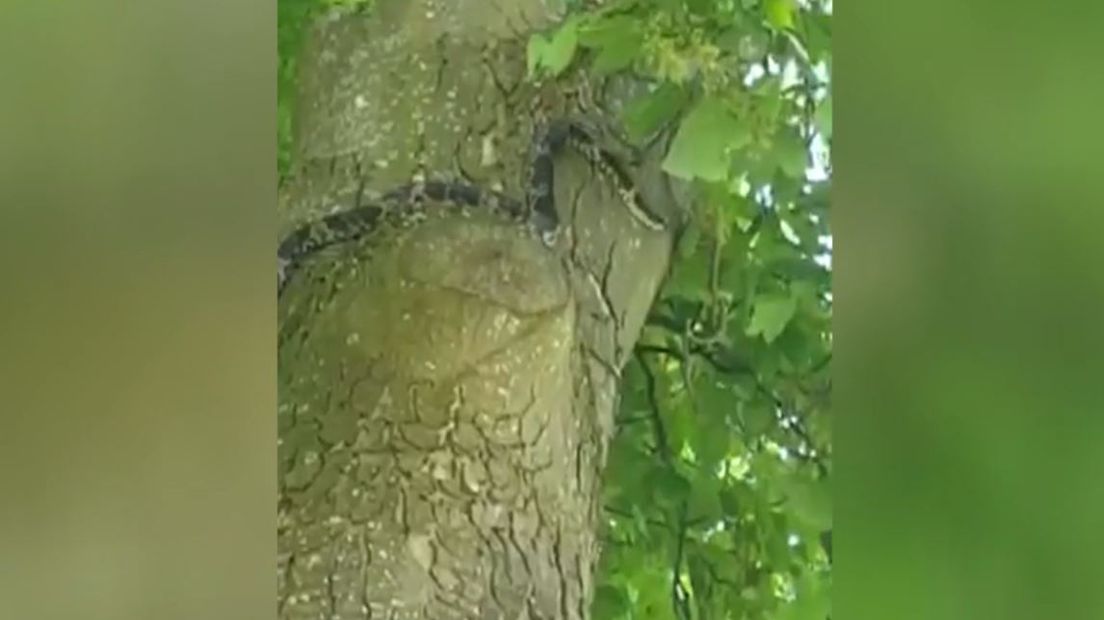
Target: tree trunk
{"x":448,"y":384}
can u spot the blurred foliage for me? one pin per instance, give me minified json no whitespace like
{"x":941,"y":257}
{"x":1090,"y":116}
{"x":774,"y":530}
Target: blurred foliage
{"x":292,"y":19}
{"x":717,"y":492}
{"x":970,"y":358}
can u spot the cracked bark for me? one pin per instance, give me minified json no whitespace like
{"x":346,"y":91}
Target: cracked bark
{"x":447,"y":387}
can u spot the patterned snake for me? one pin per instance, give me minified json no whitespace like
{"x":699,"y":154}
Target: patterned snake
{"x":538,"y":211}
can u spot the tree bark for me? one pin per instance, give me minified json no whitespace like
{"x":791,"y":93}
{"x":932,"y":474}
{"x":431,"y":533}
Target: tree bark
{"x":448,"y":384}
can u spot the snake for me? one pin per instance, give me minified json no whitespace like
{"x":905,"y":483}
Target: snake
{"x":537,"y":211}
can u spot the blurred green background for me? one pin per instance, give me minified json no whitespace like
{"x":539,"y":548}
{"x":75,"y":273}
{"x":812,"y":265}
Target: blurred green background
{"x":137,"y":434}
{"x":136,"y":233}
{"x":968,"y":218}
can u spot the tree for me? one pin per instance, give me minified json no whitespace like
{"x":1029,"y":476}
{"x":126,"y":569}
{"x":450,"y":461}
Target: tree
{"x":475,"y":425}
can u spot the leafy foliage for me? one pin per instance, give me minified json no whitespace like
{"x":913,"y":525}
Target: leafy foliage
{"x":717,"y":491}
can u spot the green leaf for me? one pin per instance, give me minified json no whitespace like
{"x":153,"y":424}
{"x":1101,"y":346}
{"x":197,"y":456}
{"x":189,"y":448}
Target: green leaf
{"x":733,"y":500}
{"x":749,"y":45}
{"x":757,"y":416}
{"x":692,"y":241}
{"x":701,"y":7}
{"x":711,"y":439}
{"x":618,"y":40}
{"x":770,"y":315}
{"x":675,"y":7}
{"x":647,"y":114}
{"x":818,"y":36}
{"x":769,"y":101}
{"x":778,"y":549}
{"x":714,"y":402}
{"x":561,"y":49}
{"x":618,"y":54}
{"x":676,"y":410}
{"x":796,"y":346}
{"x":702,"y":148}
{"x":705,"y":501}
{"x":790,"y":153}
{"x":626,"y":485}
{"x":667,"y":487}
{"x":690,"y":273}
{"x":654,"y":598}
{"x":609,"y":603}
{"x":779,"y":13}
{"x":556,"y":53}
{"x":757,"y":164}
{"x":811,"y":503}
{"x":597,"y":32}
{"x":736,"y":254}
{"x":534,"y":52}
{"x":823,"y":118}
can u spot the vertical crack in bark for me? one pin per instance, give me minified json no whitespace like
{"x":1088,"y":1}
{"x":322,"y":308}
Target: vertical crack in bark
{"x":522,"y":553}
{"x":580,"y":572}
{"x":557,"y":546}
{"x":365,"y":560}
{"x":442,"y":63}
{"x":573,"y":230}
{"x":331,"y":597}
{"x":289,"y":578}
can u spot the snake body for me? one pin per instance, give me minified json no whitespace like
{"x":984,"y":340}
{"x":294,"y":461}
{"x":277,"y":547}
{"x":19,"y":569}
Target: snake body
{"x":538,"y":210}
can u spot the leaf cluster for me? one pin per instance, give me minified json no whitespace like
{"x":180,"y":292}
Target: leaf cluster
{"x":717,"y":492}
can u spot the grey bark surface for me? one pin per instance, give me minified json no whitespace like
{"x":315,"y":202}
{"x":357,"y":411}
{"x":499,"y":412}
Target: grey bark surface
{"x":448,"y":384}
